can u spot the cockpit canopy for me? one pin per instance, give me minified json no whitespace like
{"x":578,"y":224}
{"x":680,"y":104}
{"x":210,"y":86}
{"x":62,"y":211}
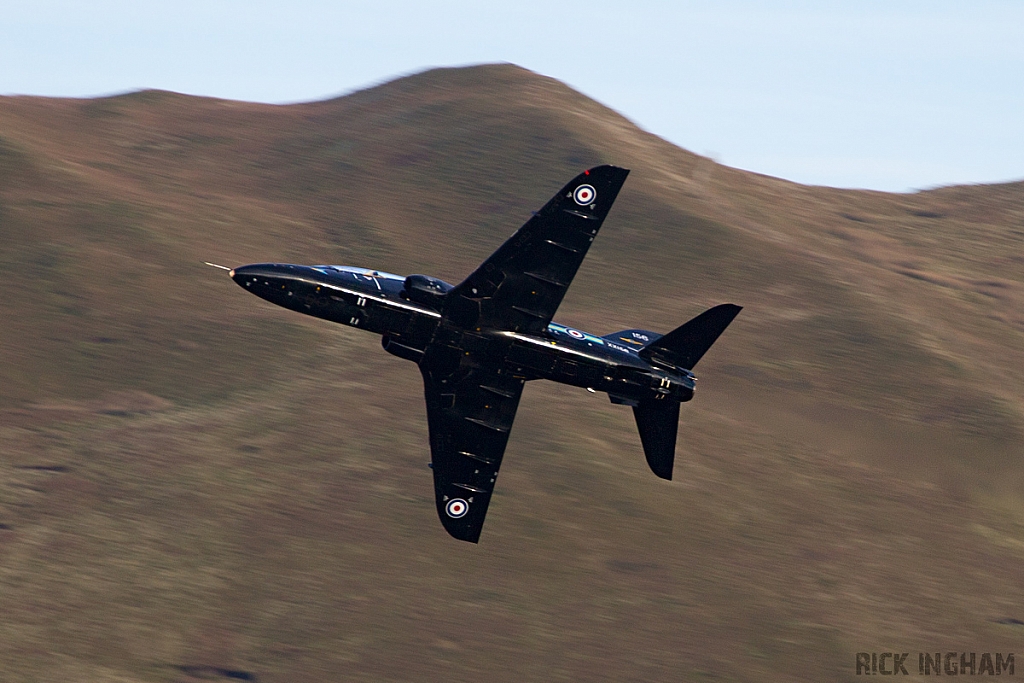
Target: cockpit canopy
{"x":360,"y":272}
{"x":426,"y":290}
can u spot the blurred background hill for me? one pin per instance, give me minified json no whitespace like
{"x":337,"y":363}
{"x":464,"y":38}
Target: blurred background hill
{"x":195,"y":484}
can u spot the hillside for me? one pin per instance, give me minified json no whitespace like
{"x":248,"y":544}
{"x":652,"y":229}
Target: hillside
{"x":196,"y":484}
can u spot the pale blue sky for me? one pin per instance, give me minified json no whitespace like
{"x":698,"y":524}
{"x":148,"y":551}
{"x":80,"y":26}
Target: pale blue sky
{"x":885,"y":95}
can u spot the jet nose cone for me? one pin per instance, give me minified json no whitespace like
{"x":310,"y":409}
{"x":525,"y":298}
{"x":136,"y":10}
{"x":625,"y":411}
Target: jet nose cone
{"x":250,"y":274}
{"x":238,"y":273}
{"x":265,"y":274}
{"x":253,"y":270}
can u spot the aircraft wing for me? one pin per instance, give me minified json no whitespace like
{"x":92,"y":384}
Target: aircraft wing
{"x":470,"y":410}
{"x":521,"y":285}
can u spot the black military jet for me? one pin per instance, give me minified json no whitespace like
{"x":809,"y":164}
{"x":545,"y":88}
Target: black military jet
{"x":479,"y":342}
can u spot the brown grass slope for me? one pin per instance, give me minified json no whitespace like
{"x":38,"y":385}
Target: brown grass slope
{"x":194,"y":484}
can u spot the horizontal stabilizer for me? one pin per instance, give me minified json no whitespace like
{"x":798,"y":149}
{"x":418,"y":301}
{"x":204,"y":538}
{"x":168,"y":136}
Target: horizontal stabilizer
{"x":658,"y":422}
{"x":687,"y":344}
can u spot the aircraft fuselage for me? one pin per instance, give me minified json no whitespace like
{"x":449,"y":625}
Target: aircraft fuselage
{"x":476,"y":344}
{"x":380,"y":302}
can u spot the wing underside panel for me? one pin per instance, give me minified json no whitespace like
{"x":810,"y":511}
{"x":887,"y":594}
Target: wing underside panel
{"x":520,"y":287}
{"x":470,"y":413}
{"x":471,"y":394}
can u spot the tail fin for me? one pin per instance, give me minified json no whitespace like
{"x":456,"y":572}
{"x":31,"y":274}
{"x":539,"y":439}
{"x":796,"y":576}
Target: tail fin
{"x":685,"y":345}
{"x":658,"y":422}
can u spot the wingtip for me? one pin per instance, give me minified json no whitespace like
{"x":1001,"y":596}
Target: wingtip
{"x":734,"y":309}
{"x":606,"y":167}
{"x":463,"y":535}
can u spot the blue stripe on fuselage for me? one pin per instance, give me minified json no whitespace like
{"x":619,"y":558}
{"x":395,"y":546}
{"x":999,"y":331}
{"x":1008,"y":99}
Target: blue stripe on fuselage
{"x":573,"y":337}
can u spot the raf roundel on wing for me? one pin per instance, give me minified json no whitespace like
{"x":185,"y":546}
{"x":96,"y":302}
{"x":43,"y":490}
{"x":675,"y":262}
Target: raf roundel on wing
{"x":584,"y":195}
{"x":457,"y":508}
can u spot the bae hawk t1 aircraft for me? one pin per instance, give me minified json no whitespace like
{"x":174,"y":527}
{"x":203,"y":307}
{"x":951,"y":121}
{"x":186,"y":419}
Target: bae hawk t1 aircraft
{"x":477,"y":343}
